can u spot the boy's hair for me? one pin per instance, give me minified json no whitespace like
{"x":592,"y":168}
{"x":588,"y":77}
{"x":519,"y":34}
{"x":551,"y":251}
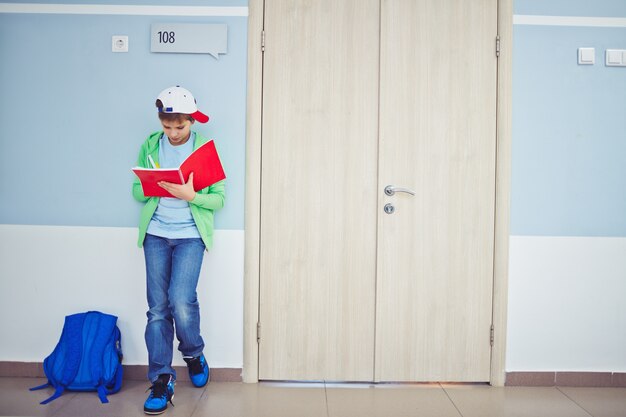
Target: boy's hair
{"x":172,"y":117}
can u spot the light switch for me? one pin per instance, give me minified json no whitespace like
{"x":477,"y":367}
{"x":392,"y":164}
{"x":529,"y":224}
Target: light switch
{"x":616,"y":58}
{"x":586,"y":56}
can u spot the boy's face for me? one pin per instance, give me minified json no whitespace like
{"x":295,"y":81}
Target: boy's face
{"x":177,"y":131}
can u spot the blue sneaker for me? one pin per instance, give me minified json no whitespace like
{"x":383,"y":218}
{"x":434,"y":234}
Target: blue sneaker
{"x":161,"y":392}
{"x":198,"y":370}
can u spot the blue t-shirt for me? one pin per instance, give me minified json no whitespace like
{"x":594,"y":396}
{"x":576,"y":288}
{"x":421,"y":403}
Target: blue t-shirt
{"x":172,"y":218}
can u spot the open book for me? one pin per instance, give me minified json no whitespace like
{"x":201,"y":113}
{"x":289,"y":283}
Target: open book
{"x":204,"y":162}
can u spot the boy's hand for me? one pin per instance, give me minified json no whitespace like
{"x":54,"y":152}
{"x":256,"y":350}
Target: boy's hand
{"x":184,"y":191}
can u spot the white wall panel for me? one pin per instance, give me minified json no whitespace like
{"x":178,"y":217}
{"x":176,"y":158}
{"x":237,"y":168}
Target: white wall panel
{"x":47,"y":272}
{"x":567,"y":309}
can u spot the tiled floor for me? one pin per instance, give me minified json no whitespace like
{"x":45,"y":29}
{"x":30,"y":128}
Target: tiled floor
{"x":324,"y":400}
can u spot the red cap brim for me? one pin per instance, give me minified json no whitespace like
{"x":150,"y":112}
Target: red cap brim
{"x":200,"y":117}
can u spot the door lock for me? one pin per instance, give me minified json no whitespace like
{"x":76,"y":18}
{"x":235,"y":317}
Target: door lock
{"x":389,"y":208}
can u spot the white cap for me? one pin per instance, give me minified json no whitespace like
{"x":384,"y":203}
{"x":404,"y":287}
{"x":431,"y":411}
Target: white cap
{"x":180,"y":100}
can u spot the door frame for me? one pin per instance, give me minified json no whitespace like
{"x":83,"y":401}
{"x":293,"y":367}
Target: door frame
{"x":252,"y":209}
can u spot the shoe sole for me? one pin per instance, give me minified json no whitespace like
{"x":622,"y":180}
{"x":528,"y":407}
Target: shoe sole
{"x":154,"y":413}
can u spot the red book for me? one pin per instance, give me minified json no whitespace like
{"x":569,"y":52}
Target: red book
{"x":204,"y":162}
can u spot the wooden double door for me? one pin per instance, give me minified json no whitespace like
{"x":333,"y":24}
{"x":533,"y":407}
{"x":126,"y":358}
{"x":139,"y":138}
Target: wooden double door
{"x":377,"y":190}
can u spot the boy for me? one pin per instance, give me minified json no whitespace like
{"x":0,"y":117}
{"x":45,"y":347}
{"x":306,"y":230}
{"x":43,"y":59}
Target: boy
{"x":174,"y":232}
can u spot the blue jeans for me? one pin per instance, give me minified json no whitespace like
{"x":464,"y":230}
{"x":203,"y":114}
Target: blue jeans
{"x":172,"y":272}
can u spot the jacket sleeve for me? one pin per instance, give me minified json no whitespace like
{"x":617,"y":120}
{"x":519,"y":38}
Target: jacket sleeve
{"x":137,"y":189}
{"x":213,"y":199}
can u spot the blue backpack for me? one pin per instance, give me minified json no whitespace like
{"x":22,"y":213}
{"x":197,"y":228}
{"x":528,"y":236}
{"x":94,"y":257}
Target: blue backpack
{"x":88,"y":357}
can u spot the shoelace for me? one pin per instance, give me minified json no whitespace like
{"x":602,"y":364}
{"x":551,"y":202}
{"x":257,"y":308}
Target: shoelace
{"x":159,"y":390}
{"x":195,"y":366}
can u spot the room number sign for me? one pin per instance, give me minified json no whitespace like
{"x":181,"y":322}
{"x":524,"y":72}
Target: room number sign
{"x":190,"y":38}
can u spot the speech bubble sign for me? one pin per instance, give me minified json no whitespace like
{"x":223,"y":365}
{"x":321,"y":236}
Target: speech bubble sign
{"x":189,"y":38}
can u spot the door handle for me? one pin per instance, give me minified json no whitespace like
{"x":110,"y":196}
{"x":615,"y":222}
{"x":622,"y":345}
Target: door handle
{"x":391,"y":190}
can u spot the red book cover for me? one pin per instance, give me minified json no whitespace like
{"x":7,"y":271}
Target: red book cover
{"x":204,"y":162}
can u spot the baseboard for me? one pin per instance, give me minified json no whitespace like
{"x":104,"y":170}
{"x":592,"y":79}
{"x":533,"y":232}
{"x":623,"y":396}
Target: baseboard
{"x":131,"y":372}
{"x":566,"y":379}
{"x":513,"y":379}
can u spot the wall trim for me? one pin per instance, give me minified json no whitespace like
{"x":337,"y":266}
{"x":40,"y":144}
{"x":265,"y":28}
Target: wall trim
{"x":513,"y":379}
{"x":138,"y":10}
{"x":566,"y":379}
{"x":504,"y":116}
{"x":520,"y":19}
{"x":131,"y":372}
{"x":252,"y":211}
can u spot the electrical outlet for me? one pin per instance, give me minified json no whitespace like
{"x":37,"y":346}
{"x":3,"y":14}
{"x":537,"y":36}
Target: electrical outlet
{"x":119,"y":43}
{"x":615,"y":58}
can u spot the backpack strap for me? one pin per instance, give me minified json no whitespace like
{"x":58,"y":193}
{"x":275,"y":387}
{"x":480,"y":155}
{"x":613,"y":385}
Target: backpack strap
{"x":57,"y":393}
{"x":103,"y":390}
{"x":102,"y":394}
{"x":74,"y":344}
{"x":119,"y":372}
{"x":118,"y":380}
{"x":71,"y":341}
{"x":38,"y":387}
{"x":106,"y":330}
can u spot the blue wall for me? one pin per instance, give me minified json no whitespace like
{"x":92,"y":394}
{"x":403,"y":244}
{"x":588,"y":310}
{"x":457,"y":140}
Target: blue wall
{"x":74,"y":114}
{"x":596,"y":8}
{"x":569,"y":141}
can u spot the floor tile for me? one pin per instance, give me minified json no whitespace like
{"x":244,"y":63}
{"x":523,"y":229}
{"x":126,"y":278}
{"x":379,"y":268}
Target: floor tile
{"x":322,"y":400}
{"x":129,"y":402}
{"x":599,"y":402}
{"x":487,"y":401}
{"x":16,"y":400}
{"x":389,"y":401}
{"x":262,"y":400}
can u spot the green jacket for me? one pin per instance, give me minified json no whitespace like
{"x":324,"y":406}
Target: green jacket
{"x":202,"y":206}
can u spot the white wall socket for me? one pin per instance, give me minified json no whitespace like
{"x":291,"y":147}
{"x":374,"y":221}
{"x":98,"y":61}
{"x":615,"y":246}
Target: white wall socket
{"x":615,"y":58}
{"x":119,"y":43}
